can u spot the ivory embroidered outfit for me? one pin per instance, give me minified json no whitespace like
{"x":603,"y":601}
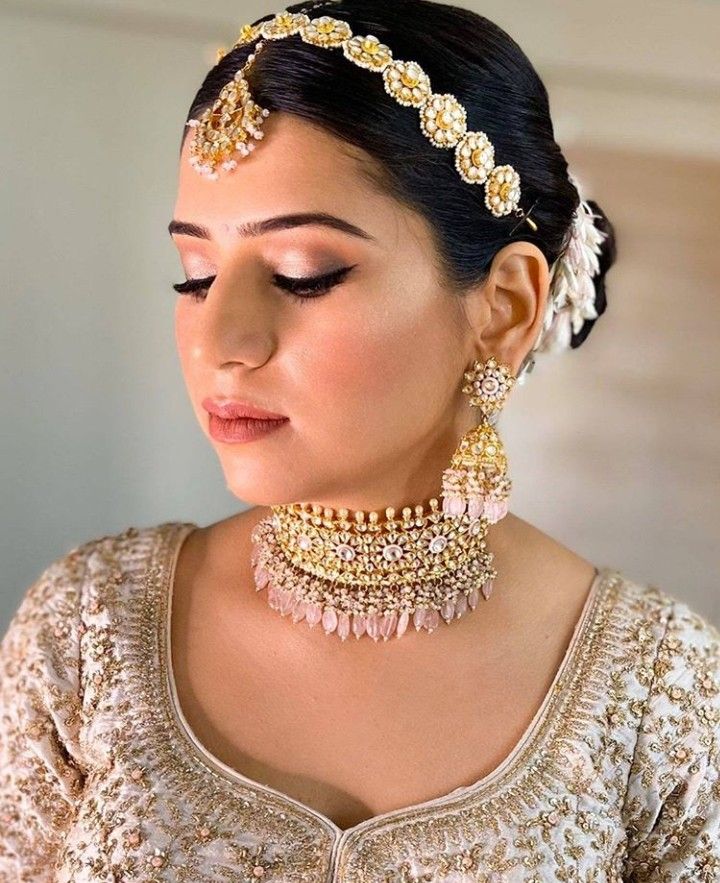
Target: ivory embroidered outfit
{"x":616,"y":779}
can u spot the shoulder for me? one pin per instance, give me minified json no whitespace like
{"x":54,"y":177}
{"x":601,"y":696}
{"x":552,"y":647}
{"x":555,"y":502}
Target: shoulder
{"x":126,"y":555}
{"x":684,"y":691}
{"x":122,"y":551}
{"x":674,"y":772}
{"x":674,"y":656}
{"x":60,"y":660}
{"x":53,"y":604}
{"x":682,"y":642}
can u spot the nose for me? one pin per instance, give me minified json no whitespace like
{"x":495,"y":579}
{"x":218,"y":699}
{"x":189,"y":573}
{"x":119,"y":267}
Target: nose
{"x":236,"y":323}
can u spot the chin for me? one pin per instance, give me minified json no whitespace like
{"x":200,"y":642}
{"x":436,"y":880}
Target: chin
{"x":273,"y":480}
{"x":260,"y":493}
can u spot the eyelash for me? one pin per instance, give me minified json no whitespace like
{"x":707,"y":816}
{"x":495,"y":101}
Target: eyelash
{"x":317,"y":286}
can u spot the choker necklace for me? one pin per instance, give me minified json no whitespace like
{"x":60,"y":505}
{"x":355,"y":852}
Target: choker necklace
{"x":357,"y":573}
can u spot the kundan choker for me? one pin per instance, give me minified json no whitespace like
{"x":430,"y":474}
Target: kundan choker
{"x":357,"y":573}
{"x":366,"y":575}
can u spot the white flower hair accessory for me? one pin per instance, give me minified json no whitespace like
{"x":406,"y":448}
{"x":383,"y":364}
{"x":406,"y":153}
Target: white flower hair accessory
{"x":571,"y":298}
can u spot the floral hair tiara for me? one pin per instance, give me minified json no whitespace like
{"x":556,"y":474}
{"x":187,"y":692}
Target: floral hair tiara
{"x":233,"y":124}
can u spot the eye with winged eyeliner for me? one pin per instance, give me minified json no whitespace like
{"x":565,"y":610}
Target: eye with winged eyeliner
{"x":301,"y":287}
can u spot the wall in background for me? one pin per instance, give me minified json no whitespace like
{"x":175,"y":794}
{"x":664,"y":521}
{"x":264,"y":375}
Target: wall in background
{"x":612,"y":448}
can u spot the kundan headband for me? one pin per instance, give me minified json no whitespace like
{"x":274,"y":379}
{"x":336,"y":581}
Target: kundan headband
{"x":232,"y":127}
{"x":233,"y":122}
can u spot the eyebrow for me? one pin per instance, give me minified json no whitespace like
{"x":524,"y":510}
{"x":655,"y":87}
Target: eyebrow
{"x":268,"y":225}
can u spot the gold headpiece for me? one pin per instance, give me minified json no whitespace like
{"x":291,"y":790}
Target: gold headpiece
{"x":233,"y":123}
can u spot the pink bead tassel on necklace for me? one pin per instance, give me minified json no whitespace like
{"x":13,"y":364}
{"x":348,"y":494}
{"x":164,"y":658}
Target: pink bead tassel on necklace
{"x":375,"y":625}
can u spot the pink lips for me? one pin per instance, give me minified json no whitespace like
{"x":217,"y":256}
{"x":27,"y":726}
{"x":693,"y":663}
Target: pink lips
{"x":240,"y":422}
{"x":232,"y":410}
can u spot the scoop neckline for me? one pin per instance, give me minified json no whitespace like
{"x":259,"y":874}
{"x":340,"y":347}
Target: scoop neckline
{"x":527,"y":752}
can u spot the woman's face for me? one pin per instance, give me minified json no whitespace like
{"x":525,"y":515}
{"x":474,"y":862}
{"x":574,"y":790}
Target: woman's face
{"x":368,"y":373}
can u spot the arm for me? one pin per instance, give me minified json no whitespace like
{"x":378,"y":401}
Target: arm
{"x":41,"y":769}
{"x":672,"y":806}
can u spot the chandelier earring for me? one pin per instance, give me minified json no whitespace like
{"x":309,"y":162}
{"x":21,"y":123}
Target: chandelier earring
{"x":476,"y":480}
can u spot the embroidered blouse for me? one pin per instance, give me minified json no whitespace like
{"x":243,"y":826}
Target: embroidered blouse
{"x":617,"y":777}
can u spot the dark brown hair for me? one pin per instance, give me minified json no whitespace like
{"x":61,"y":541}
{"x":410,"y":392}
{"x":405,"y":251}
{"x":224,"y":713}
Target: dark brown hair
{"x":466,"y":55}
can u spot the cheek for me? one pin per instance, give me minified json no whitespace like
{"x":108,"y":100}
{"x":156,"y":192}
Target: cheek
{"x":183,"y":331}
{"x":188,"y":355}
{"x":379,"y":363}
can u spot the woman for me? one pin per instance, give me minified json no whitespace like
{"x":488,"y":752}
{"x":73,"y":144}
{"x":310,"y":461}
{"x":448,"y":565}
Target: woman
{"x":399,"y":680}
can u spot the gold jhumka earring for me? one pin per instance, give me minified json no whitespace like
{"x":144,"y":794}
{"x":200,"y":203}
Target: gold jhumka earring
{"x":477,"y":479}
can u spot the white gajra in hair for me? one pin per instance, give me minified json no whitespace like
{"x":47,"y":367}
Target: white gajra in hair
{"x":571,"y":298}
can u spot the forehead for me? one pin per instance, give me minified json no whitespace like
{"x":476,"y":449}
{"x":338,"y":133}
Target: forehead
{"x":297,"y":166}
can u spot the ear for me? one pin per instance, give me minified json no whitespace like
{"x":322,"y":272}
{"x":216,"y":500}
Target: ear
{"x":506,"y":313}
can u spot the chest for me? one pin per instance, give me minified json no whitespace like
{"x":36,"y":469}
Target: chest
{"x":347,"y":732}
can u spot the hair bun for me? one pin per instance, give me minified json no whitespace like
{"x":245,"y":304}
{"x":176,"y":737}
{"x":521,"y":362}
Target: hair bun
{"x":577,"y":278}
{"x":606,"y":258}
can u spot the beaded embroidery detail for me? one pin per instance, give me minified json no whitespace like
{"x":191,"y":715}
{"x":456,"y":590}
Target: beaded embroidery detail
{"x":621,"y":774}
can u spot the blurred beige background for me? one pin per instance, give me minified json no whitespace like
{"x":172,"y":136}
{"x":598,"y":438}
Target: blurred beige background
{"x":614,"y":448}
